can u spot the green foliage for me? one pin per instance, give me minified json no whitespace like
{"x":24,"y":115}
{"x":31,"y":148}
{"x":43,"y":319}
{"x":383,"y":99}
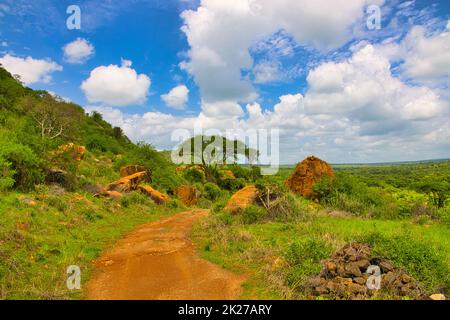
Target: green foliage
{"x":163,"y":172}
{"x":253,"y":214}
{"x":438,"y":190}
{"x":304,"y":258}
{"x":194,"y":175}
{"x":24,"y":164}
{"x":6,"y":175}
{"x":250,"y":174}
{"x":347,"y":191}
{"x":423,"y":260}
{"x":211,"y":191}
{"x":208,"y":150}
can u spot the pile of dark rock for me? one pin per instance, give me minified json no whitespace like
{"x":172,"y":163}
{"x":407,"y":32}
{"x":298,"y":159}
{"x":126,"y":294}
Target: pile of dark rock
{"x":345,"y":276}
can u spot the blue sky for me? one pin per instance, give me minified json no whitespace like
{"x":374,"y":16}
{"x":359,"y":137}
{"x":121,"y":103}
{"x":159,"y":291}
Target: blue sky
{"x":333,"y":87}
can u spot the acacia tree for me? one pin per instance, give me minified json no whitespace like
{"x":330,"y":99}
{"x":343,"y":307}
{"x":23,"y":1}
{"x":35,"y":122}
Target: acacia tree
{"x":208,"y":150}
{"x":438,"y":190}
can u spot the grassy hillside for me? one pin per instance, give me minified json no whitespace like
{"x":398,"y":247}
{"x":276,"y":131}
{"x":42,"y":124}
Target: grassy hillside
{"x":45,"y":228}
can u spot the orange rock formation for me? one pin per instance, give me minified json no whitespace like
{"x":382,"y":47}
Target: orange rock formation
{"x":306,"y":174}
{"x":154,"y":194}
{"x":188,"y":195}
{"x":242,"y":199}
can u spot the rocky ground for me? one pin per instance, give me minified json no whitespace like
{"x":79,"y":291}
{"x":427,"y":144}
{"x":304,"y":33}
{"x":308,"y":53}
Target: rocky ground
{"x":345,"y":276}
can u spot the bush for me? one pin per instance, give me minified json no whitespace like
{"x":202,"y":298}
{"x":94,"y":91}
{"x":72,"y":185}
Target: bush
{"x":232,"y":184}
{"x":211,"y":191}
{"x":24,"y":164}
{"x":6,"y":175}
{"x":220,"y":203}
{"x":194,"y":175}
{"x":253,"y":214}
{"x":175,"y":204}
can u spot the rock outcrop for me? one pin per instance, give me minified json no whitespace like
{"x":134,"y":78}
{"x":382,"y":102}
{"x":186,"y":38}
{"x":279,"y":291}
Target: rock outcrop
{"x":132,"y":169}
{"x":345,"y":276}
{"x":77,"y":152}
{"x":188,"y":195}
{"x":306,"y":174}
{"x":155,"y":195}
{"x":132,"y":177}
{"x":242,"y":199}
{"x":128,"y":183}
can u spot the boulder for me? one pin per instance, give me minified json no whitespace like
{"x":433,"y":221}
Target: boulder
{"x":58,"y":176}
{"x":132,"y":169}
{"x":128,"y":183}
{"x":112,"y":195}
{"x":94,"y":188}
{"x":77,"y":151}
{"x":155,"y":195}
{"x":242,"y":199}
{"x":437,"y":296}
{"x":306,"y":174}
{"x":188,"y":195}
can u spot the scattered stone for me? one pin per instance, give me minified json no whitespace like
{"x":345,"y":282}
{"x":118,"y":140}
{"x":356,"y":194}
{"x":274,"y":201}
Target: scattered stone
{"x":56,"y":190}
{"x":28,"y":201}
{"x":128,"y":183}
{"x":57,"y":176}
{"x":437,"y":296}
{"x":132,"y":169}
{"x":344,"y":276}
{"x":306,"y":174}
{"x":242,"y":199}
{"x":112,"y":195}
{"x":386,"y":266}
{"x":77,"y":152}
{"x":94,"y":188}
{"x":155,"y":195}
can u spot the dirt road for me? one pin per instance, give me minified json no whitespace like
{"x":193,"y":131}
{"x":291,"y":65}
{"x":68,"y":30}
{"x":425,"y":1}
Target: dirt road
{"x":158,"y":261}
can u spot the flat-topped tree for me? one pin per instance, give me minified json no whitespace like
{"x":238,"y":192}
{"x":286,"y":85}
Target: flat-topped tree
{"x":209,"y":150}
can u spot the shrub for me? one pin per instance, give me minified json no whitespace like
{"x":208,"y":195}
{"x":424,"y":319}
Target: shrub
{"x":232,"y":184}
{"x":253,"y":214}
{"x":175,"y":204}
{"x":220,"y":204}
{"x":24,"y":163}
{"x":211,"y":191}
{"x":194,"y":175}
{"x":6,"y":175}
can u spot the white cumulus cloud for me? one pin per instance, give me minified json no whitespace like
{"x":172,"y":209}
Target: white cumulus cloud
{"x":116,"y":86}
{"x":78,"y":51}
{"x":176,"y":98}
{"x":29,"y":69}
{"x":427,"y":59}
{"x":220,"y":34}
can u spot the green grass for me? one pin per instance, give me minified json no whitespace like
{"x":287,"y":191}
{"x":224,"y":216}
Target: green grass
{"x":59,"y":231}
{"x":422,"y":250}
